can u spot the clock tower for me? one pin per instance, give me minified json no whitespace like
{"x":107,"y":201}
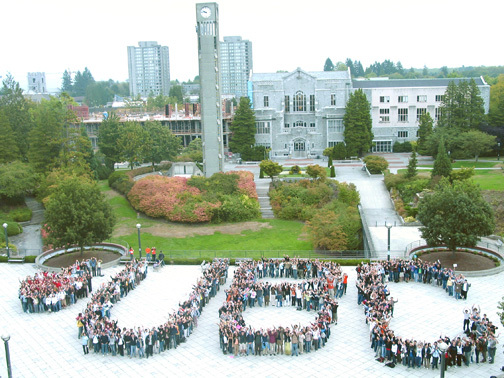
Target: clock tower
{"x":207,"y":27}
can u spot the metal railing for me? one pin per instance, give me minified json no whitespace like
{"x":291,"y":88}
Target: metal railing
{"x":492,"y":246}
{"x":233,"y":254}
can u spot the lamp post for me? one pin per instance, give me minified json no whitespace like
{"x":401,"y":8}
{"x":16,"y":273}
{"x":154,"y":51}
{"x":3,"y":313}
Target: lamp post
{"x":498,"y":150}
{"x":442,"y":347}
{"x":6,"y":339}
{"x":139,"y":241}
{"x":388,"y":240}
{"x":5,"y":225}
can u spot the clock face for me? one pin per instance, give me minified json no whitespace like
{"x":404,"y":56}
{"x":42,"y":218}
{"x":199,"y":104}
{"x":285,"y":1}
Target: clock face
{"x":205,"y":12}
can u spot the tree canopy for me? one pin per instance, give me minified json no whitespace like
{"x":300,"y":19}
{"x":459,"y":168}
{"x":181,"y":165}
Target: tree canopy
{"x":455,"y":215}
{"x":243,"y":128}
{"x":78,"y":214}
{"x":270,"y":168}
{"x":358,"y":125}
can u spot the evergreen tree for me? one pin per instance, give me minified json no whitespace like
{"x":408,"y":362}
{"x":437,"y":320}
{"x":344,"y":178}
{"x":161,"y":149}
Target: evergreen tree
{"x":67,"y":85}
{"x":442,"y":164}
{"x":496,"y":113}
{"x":48,"y":135}
{"x":333,"y":171}
{"x":357,"y":120}
{"x":108,"y":135}
{"x":359,"y":70}
{"x":412,"y":166}
{"x":17,"y":111}
{"x":462,"y":107}
{"x":400,"y":68}
{"x":350,"y":65}
{"x":8,"y":145}
{"x":339,"y":151}
{"x":243,"y":128}
{"x":425,"y":125}
{"x":328,"y":66}
{"x":329,"y":162}
{"x":176,"y":92}
{"x":425,"y":71}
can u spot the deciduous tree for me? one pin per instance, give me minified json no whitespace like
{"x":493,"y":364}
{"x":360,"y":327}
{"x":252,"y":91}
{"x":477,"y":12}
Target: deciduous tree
{"x":78,"y":214}
{"x":455,"y":215}
{"x":270,"y":168}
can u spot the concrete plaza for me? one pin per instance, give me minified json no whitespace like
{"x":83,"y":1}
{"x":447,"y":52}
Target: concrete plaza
{"x":47,"y":345}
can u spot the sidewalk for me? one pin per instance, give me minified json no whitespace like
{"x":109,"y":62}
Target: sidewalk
{"x":47,"y":344}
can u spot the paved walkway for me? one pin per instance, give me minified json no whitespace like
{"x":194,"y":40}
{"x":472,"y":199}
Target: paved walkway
{"x":47,"y":344}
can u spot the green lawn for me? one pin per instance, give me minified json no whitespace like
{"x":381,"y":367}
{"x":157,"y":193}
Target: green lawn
{"x":487,"y":179}
{"x":468,"y":164}
{"x":282,"y":236}
{"x":492,"y":179}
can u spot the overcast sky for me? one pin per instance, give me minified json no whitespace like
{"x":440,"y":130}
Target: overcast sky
{"x":53,"y":35}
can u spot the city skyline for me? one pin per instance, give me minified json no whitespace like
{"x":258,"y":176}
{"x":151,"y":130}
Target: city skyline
{"x":53,"y":36}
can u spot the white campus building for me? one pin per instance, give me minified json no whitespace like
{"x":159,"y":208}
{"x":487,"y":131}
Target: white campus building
{"x":300,"y":113}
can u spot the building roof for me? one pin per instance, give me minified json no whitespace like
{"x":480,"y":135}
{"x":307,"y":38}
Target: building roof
{"x":334,"y":75}
{"x":408,"y":83}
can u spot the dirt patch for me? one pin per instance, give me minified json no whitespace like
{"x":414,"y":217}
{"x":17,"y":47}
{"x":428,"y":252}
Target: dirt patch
{"x":465,"y":261}
{"x":174,"y":230}
{"x":110,"y":193}
{"x":68,"y":259}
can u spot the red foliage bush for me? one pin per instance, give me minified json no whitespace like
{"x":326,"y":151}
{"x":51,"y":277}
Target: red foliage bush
{"x":170,"y":198}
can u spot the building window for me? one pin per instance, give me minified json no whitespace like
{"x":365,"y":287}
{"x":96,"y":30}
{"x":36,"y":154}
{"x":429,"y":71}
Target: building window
{"x":286,"y":125}
{"x":312,"y":125}
{"x":266,"y":101}
{"x":421,"y":98}
{"x":402,"y":134}
{"x":263,"y":127}
{"x":312,"y":103}
{"x":299,"y":124}
{"x":333,"y":99}
{"x":333,"y":143}
{"x":385,"y":99}
{"x":402,"y":98}
{"x":299,"y":146}
{"x":384,"y":115}
{"x":299,"y":104}
{"x":437,"y":113}
{"x":382,"y":146}
{"x":440,"y":98}
{"x":402,"y":114}
{"x":287,"y":104}
{"x":335,"y":125}
{"x":420,"y":112}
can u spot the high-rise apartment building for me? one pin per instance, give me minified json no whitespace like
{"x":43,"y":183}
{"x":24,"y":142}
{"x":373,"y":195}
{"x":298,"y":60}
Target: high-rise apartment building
{"x":236,"y":66}
{"x":37,"y":82}
{"x":149,"y":69}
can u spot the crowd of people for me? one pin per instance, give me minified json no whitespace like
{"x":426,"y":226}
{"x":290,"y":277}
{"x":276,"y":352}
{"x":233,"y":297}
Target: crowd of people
{"x":53,"y":291}
{"x":97,"y":330}
{"x":477,"y":338}
{"x":322,"y":283}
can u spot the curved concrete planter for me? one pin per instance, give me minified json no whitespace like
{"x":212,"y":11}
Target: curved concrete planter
{"x":475,"y":273}
{"x":39,"y":261}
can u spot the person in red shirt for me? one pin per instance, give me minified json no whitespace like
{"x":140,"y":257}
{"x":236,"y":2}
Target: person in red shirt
{"x":131,"y":253}
{"x":153,"y":253}
{"x":147,"y":253}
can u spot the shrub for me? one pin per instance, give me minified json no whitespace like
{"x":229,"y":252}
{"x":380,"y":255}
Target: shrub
{"x":393,"y":181}
{"x":375,"y":164}
{"x":13,"y":228}
{"x":316,"y":172}
{"x":12,"y":247}
{"x":295,"y":170}
{"x":120,"y":181}
{"x":402,"y":147}
{"x":237,"y":209}
{"x":23,"y":214}
{"x":103,"y":172}
{"x":407,"y":190}
{"x":333,"y":171}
